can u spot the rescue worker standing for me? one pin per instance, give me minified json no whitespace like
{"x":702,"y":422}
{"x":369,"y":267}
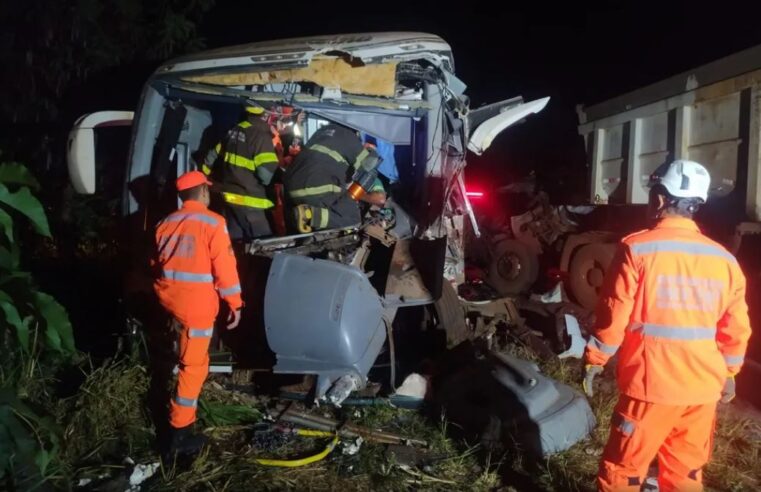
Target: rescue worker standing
{"x":243,"y":166}
{"x":197,"y":267}
{"x":673,"y":307}
{"x":317,"y":181}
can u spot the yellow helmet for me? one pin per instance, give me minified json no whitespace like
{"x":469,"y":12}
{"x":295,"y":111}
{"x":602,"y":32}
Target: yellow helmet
{"x":250,"y":108}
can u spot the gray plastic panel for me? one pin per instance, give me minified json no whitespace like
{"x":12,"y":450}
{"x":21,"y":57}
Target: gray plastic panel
{"x":563,"y":416}
{"x":322,"y":318}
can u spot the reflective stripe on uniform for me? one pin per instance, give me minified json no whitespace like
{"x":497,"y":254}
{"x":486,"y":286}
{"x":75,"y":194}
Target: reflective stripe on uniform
{"x":250,"y":164}
{"x":200,"y":332}
{"x":330,"y":152}
{"x":185,"y":402}
{"x":595,"y":342}
{"x":188,"y":276}
{"x":324,"y":215}
{"x":211,"y":157}
{"x":681,"y":247}
{"x":734,"y":360}
{"x":247,"y":201}
{"x":688,"y":293}
{"x":230,"y":290}
{"x":199,"y":217}
{"x":244,"y":124}
{"x":361,"y":157}
{"x":675,"y":332}
{"x":315,"y":190}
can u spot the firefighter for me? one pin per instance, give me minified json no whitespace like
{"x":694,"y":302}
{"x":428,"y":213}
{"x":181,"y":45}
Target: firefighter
{"x":284,"y":125}
{"x":673,"y":308}
{"x":243,"y":166}
{"x":317,"y":182}
{"x":196,"y":267}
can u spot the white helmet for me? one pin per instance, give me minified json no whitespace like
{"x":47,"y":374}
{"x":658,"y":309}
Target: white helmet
{"x":683,"y":179}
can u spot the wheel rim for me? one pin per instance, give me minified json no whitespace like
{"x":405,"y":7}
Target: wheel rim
{"x":595,"y":276}
{"x":509,"y":266}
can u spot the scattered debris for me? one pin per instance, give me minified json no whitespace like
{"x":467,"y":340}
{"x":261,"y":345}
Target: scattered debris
{"x":576,"y":350}
{"x":350,"y":448}
{"x":341,"y":389}
{"x":345,"y":430}
{"x":414,"y":385}
{"x":271,"y":437}
{"x":266,"y":438}
{"x":504,"y":401}
{"x":140,"y":474}
{"x":409,"y":456}
{"x":552,"y":296}
{"x":422,"y":478}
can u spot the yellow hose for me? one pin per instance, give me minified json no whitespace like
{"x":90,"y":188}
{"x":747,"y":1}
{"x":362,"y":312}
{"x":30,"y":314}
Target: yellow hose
{"x":309,"y":459}
{"x":314,"y":433}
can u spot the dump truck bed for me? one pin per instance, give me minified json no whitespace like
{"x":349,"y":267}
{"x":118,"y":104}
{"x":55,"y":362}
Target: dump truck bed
{"x":710,"y":114}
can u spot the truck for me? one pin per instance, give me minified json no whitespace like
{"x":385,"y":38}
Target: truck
{"x":327,"y":300}
{"x":712,"y":115}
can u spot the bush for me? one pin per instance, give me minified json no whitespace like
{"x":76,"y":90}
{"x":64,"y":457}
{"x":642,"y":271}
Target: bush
{"x":36,"y":338}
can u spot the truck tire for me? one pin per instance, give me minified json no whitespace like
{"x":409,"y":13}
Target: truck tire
{"x":513,"y":268}
{"x":587,"y":271}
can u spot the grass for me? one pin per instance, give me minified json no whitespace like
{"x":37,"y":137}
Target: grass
{"x":107,"y":421}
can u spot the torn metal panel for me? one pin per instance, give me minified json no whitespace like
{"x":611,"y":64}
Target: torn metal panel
{"x":187,"y":90}
{"x":404,"y":279}
{"x":484,"y":134}
{"x":367,"y":47}
{"x":335,"y":73}
{"x":454,"y":262}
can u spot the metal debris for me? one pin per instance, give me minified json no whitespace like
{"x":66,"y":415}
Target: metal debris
{"x":351,"y":447}
{"x":140,"y":474}
{"x":345,"y":430}
{"x":576,"y":349}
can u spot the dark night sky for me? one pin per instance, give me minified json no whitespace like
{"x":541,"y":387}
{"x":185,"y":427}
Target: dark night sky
{"x":575,"y":54}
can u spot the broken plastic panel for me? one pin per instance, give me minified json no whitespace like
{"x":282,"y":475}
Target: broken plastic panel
{"x":323,"y":318}
{"x":561,"y":416}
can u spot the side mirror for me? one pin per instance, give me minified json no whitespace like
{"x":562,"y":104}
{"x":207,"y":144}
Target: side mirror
{"x":81,"y":146}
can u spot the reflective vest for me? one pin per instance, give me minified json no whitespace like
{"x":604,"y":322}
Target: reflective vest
{"x":195,"y":265}
{"x":673,"y":308}
{"x":244,"y":164}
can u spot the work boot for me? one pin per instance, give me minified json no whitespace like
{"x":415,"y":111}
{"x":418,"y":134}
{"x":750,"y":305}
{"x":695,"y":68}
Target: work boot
{"x":183,"y":442}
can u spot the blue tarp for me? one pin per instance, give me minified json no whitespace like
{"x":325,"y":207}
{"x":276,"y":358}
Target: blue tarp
{"x":386,"y":151}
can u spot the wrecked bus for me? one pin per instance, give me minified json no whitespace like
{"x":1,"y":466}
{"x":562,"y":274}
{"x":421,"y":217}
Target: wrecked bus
{"x":328,"y":298}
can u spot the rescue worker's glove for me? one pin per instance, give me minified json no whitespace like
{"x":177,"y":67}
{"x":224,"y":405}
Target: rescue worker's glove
{"x":302,"y":218}
{"x":728,"y":393}
{"x":590,"y":372}
{"x":233,"y":319}
{"x":377,"y":198}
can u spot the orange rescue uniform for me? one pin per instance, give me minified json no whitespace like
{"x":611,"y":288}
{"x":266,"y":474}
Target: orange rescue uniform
{"x":673,"y":307}
{"x":197,"y":267}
